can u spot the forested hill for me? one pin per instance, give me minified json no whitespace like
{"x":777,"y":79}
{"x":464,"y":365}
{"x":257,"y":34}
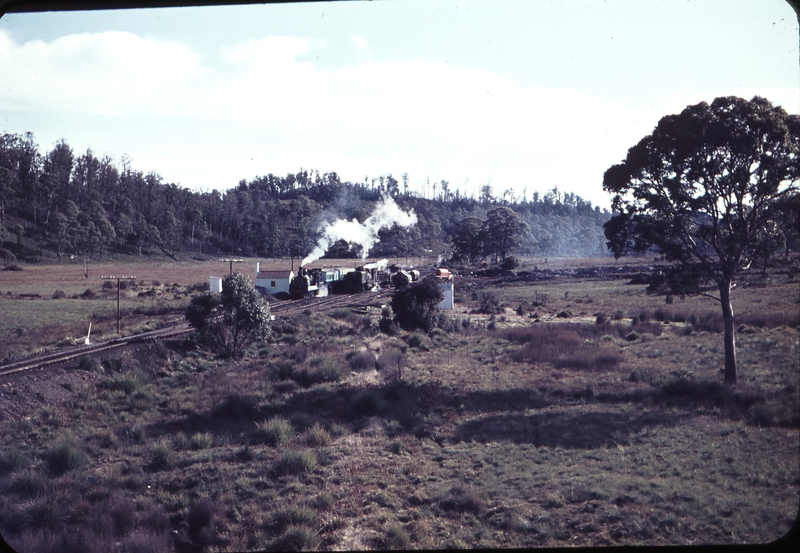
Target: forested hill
{"x":55,"y":203}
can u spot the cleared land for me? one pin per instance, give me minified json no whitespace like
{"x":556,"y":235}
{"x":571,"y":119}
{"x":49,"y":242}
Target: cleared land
{"x":581,"y":412}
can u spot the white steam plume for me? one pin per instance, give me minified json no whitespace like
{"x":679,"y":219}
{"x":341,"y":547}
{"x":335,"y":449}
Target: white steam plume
{"x":386,"y":214}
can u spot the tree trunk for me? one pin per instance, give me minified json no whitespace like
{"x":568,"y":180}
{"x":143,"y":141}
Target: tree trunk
{"x":730,"y":340}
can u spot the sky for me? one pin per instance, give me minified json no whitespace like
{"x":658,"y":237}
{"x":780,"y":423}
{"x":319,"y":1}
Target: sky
{"x":522,"y":95}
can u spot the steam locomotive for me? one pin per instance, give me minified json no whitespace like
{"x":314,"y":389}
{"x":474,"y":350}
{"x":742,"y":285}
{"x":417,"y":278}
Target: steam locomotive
{"x":320,"y":282}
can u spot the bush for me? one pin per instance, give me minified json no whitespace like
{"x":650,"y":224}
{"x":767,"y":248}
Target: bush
{"x":43,"y":512}
{"x":201,"y":440}
{"x":66,"y":456}
{"x":341,"y":314}
{"x":417,"y":340}
{"x":202,"y":520}
{"x":273,"y":432}
{"x":362,"y":361}
{"x":161,"y":456}
{"x":395,"y":536}
{"x":90,"y":364}
{"x":417,"y":306}
{"x":59,"y":294}
{"x":316,"y":436}
{"x":11,"y":460}
{"x":462,"y":500}
{"x":129,"y":382}
{"x":28,"y":482}
{"x":368,"y":403}
{"x":296,"y":538}
{"x":295,"y":462}
{"x":390,"y":363}
{"x":293,"y":515}
{"x":489,"y":304}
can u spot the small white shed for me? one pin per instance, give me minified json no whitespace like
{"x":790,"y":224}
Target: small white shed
{"x":273,"y":282}
{"x":215,"y":284}
{"x":448,"y":289}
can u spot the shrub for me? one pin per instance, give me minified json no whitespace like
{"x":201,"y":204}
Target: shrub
{"x":129,"y":382}
{"x":273,"y":431}
{"x":161,"y":456}
{"x":391,"y":363}
{"x":201,"y":440}
{"x":67,"y":455}
{"x":395,"y":536}
{"x":294,"y":515}
{"x":141,"y":400}
{"x":368,"y":403}
{"x":489,"y":304}
{"x":417,"y":340}
{"x":43,"y":512}
{"x":341,"y":313}
{"x":462,"y":500}
{"x":296,"y":538}
{"x":362,"y":361}
{"x":510,"y":263}
{"x":121,"y":512}
{"x":12,"y":459}
{"x":417,"y":306}
{"x":202,"y":520}
{"x":144,"y":541}
{"x":295,"y":462}
{"x":59,"y":294}
{"x":28,"y":482}
{"x":316,"y":436}
{"x":237,"y":407}
{"x":91,"y":364}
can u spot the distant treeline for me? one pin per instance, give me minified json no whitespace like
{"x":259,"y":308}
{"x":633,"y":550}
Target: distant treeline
{"x":56,"y":203}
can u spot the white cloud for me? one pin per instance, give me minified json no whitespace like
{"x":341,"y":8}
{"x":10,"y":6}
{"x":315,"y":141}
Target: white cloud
{"x":257,"y":107}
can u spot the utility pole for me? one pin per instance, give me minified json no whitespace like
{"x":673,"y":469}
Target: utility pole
{"x":118,"y":279}
{"x":232,"y":261}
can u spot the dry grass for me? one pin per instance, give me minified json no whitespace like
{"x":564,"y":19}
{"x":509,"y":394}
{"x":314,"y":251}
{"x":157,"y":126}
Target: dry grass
{"x":554,"y":433}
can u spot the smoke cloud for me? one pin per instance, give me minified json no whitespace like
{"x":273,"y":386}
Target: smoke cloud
{"x":386,"y":214}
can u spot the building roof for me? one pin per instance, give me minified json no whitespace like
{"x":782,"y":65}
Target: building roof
{"x":275,"y":274}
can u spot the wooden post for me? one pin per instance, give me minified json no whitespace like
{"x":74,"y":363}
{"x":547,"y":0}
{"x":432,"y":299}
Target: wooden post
{"x":119,"y":312}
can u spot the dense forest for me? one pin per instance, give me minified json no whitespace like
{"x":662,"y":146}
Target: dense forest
{"x":57,"y":203}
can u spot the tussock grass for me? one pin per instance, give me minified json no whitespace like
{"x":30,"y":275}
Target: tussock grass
{"x":563,"y":346}
{"x":295,"y":462}
{"x":471,"y":449}
{"x":295,"y":538}
{"x":65,"y":456}
{"x":12,"y":460}
{"x":273,"y":431}
{"x":162,"y":456}
{"x":28,"y":483}
{"x":362,"y":361}
{"x":317,"y":436}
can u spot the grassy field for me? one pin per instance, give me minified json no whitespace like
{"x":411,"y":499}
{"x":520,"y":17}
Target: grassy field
{"x":580,"y":412}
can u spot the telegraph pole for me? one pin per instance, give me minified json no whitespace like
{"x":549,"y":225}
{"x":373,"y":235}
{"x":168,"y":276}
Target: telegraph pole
{"x":118,"y":279}
{"x":232,"y":261}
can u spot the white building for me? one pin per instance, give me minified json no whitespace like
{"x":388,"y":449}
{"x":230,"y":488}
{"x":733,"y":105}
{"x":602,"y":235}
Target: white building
{"x":448,"y":289}
{"x":272,"y":282}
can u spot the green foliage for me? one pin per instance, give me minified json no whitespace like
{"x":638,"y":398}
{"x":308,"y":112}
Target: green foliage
{"x":295,"y":538}
{"x":234,"y":321}
{"x":12,"y":459}
{"x":65,"y":456}
{"x":273,"y":432}
{"x":417,"y":306}
{"x":709,"y":189}
{"x":295,"y":462}
{"x":162,"y":456}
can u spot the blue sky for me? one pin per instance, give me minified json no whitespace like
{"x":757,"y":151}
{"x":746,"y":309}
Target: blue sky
{"x":525,"y":95}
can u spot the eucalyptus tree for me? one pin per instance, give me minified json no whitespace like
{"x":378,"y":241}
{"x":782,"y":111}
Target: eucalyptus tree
{"x":705,"y":189}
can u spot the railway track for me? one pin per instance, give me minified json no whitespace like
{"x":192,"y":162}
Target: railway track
{"x":279,"y":310}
